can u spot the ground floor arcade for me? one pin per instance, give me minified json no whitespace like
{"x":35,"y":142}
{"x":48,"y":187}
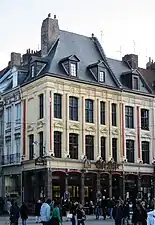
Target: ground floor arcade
{"x":84,"y":185}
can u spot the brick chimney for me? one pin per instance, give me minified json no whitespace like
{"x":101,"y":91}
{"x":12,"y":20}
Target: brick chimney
{"x":150,"y":65}
{"x":131,"y":60}
{"x":15,"y":59}
{"x":49,"y":34}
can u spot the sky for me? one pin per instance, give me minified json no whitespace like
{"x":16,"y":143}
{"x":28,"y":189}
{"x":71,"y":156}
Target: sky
{"x":122,"y":26}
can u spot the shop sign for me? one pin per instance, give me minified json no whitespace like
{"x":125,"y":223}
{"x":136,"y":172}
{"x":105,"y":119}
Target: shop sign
{"x":40,"y":161}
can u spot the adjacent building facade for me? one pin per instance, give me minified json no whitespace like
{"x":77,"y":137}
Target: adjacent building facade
{"x":87,"y":122}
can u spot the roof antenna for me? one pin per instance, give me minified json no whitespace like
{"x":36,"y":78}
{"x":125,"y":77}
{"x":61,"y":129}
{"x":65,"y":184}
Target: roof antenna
{"x":101,"y":36}
{"x":134,"y":47}
{"x":120,"y":51}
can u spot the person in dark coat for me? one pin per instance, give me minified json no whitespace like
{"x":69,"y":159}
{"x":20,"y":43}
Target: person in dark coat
{"x":14,"y":214}
{"x":37,"y":210}
{"x":24,"y":213}
{"x":139,"y":215}
{"x":118,"y":213}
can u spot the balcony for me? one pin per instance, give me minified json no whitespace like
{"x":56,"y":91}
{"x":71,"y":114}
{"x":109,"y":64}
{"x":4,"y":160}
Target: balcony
{"x":11,"y":159}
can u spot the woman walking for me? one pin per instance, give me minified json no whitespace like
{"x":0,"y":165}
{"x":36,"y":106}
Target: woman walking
{"x":14,"y":214}
{"x":56,"y":215}
{"x":24,"y":213}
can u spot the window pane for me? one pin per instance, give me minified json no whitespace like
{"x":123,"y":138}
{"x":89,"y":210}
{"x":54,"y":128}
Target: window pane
{"x":57,"y":106}
{"x":114,"y":149}
{"x":89,"y":111}
{"x":31,"y":146}
{"x":73,"y":146}
{"x":41,"y":144}
{"x":102,"y":113}
{"x":135,"y":83}
{"x":103,"y":148}
{"x":146,"y":152}
{"x":130,"y":150}
{"x":41,"y":106}
{"x":114,"y":114}
{"x":89,"y":142}
{"x":102,"y":76}
{"x":73,"y":69}
{"x":144,"y":119}
{"x":129,"y":117}
{"x":73,"y":108}
{"x":57,"y":144}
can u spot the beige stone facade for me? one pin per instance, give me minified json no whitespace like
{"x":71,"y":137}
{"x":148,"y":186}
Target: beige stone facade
{"x":50,"y":85}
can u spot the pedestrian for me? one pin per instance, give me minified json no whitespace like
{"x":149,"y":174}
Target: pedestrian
{"x":45,"y":212}
{"x":118,"y":213}
{"x":151,"y":216}
{"x":81,"y":217}
{"x":104,"y":207}
{"x":139,"y":215}
{"x":14,"y":214}
{"x":24,"y":213}
{"x":37,"y":210}
{"x":56,"y":214}
{"x":73,"y":212}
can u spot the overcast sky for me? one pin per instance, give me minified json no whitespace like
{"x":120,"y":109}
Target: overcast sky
{"x":125,"y":23}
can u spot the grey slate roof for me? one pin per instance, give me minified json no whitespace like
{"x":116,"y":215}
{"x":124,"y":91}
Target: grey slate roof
{"x":85,"y":49}
{"x":89,"y":51}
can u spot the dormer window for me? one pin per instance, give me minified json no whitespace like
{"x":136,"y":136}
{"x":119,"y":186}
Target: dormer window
{"x":102,"y":76}
{"x":70,"y":65}
{"x":32,"y":71}
{"x":98,"y":71}
{"x":73,"y":69}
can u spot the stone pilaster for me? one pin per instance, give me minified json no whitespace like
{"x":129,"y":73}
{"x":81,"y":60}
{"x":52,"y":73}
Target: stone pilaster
{"x":49,"y":184}
{"x":110,"y":185}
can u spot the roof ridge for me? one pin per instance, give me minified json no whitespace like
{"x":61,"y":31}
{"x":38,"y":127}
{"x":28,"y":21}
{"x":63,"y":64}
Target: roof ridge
{"x":75,"y":33}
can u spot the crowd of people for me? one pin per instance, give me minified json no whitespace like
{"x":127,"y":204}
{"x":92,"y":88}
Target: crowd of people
{"x":137,"y":212}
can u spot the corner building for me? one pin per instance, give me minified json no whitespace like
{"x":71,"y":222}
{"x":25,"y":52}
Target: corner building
{"x":80,"y":107}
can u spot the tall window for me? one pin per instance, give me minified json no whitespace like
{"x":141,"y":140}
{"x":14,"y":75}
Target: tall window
{"x":8,"y":117}
{"x":73,"y":146}
{"x":89,"y":114}
{"x":102,"y":112}
{"x":114,"y":114}
{"x":130,"y":151}
{"x":32,"y":71}
{"x":57,"y":144}
{"x":57,"y":106}
{"x":31,"y":146}
{"x":144,"y":119}
{"x":129,"y":117}
{"x":73,"y":108}
{"x":103,"y":148}
{"x":18,"y":113}
{"x":41,"y":106}
{"x":41,"y":144}
{"x":89,"y":142}
{"x":146,"y":152}
{"x":114,"y":149}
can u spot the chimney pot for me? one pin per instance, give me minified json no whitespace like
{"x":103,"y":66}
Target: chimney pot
{"x":49,"y":15}
{"x":55,"y":16}
{"x":92,"y":34}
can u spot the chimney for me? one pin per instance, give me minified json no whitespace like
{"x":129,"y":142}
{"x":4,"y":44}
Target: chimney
{"x":131,"y":60}
{"x":49,"y":34}
{"x":15,"y":59}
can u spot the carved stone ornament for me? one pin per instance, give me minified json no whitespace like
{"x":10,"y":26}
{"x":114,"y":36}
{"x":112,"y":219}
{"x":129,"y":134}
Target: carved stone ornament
{"x":90,"y":129}
{"x":104,"y":130}
{"x":99,"y":164}
{"x":87,"y":163}
{"x":74,"y":127}
{"x":115,"y":131}
{"x":130,"y":133}
{"x":58,"y":125}
{"x":107,"y":166}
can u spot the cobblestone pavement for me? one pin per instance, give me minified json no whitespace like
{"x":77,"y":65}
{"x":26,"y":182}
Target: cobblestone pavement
{"x":90,"y":221}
